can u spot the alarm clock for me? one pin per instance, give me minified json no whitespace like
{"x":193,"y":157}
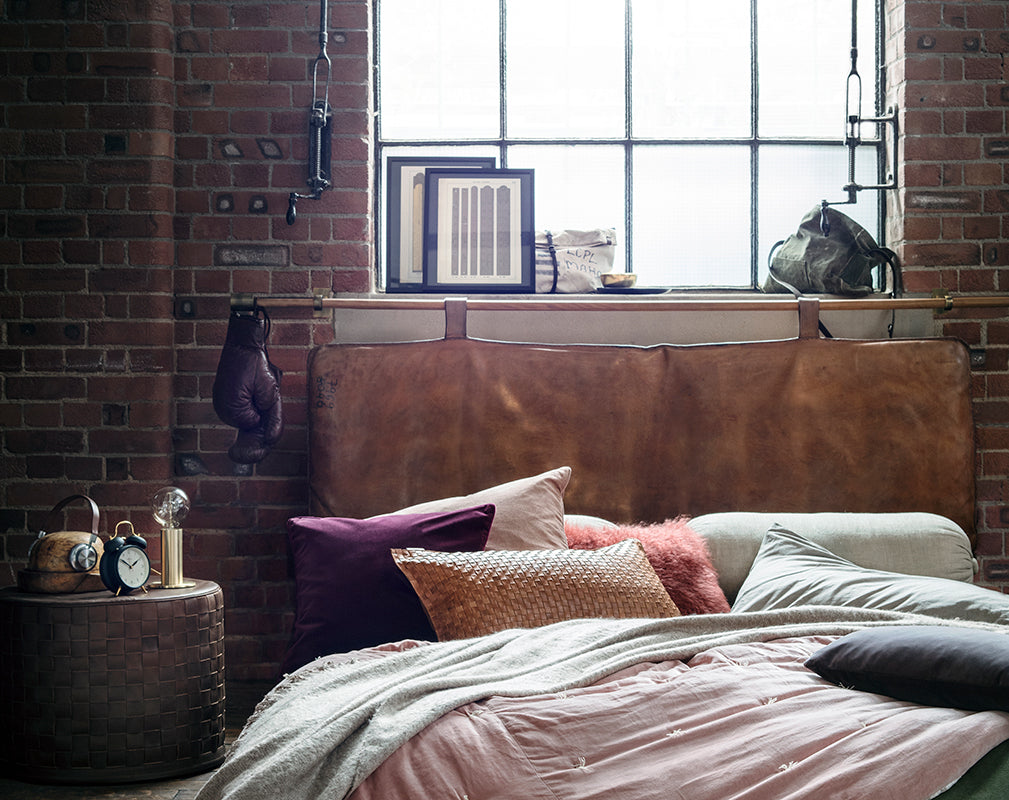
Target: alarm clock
{"x":125,"y":565}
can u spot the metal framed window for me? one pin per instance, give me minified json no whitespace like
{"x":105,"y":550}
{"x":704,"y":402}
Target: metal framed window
{"x":701,"y":131}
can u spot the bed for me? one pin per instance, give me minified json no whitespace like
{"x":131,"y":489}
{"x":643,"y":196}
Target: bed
{"x":540,"y":571}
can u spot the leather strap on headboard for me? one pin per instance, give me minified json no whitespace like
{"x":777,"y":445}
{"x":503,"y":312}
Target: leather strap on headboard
{"x":649,"y":432}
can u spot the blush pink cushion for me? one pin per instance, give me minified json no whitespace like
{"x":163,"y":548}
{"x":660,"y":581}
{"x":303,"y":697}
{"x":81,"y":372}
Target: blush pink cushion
{"x":677,"y":553}
{"x":350,"y":594}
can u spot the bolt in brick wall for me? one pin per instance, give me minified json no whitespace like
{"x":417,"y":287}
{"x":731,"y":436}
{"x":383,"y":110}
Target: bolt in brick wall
{"x":148,"y":152}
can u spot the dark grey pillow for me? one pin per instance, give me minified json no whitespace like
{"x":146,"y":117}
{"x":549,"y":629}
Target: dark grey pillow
{"x":931,"y":665}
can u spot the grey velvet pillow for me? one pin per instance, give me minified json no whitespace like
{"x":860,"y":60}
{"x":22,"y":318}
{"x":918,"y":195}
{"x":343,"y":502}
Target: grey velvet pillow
{"x":937,"y":666}
{"x":790,"y":570}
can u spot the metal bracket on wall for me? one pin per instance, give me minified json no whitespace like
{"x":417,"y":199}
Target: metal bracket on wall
{"x":247,"y":301}
{"x":853,"y":126}
{"x":320,"y":123}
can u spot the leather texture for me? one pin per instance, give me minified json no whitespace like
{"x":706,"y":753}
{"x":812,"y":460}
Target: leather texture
{"x":247,"y":390}
{"x":650,"y":433}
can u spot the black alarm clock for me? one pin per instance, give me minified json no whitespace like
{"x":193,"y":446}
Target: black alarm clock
{"x":125,"y":565}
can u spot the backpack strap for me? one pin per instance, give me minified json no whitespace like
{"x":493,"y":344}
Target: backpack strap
{"x":803,"y":317}
{"x":553,"y":258}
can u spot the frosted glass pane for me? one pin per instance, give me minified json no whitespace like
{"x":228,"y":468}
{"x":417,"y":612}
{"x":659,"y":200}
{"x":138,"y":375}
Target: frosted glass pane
{"x":440,"y":74}
{"x":804,"y":60}
{"x":795,"y":179}
{"x":691,"y":68}
{"x":692,"y":216}
{"x":577,"y":188}
{"x":565,"y":68}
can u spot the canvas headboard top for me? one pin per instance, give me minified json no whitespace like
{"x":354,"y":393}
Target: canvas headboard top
{"x":650,"y":433}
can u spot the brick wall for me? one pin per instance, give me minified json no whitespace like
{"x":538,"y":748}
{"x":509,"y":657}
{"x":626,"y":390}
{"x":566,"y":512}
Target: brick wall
{"x":148,"y":150}
{"x":950,"y":218}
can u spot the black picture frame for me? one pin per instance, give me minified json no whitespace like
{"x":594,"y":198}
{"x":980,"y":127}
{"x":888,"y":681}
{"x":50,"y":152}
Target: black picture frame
{"x":404,"y":253}
{"x":479,"y":231}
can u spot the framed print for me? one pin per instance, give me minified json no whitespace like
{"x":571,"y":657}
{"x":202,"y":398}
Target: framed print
{"x":404,"y":255}
{"x":479,"y":233}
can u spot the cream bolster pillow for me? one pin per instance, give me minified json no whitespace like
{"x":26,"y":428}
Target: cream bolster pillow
{"x":914,"y":543}
{"x":477,"y":593}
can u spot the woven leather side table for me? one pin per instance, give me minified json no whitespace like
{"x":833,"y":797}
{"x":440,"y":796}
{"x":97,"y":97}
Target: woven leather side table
{"x":99,"y":689}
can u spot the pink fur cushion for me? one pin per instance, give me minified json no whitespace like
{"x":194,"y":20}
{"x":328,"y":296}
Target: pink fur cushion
{"x":678,"y":554}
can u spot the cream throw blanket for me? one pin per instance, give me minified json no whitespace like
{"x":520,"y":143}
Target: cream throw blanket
{"x":323,"y":730}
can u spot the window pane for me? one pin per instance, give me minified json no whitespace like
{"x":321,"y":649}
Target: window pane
{"x":577,"y":188}
{"x":692,"y":216}
{"x":794,"y":179}
{"x":440,"y":73}
{"x":803,"y":63}
{"x":565,"y":69}
{"x":691,"y":68}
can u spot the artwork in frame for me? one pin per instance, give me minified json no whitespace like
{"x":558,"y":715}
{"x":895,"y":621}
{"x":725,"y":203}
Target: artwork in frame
{"x":404,"y":255}
{"x":479,"y":231}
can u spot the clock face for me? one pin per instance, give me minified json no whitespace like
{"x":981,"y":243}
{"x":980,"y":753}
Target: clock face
{"x":133,"y":567}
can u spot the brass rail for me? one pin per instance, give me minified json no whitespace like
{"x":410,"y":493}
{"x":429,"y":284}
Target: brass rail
{"x":248,"y":302}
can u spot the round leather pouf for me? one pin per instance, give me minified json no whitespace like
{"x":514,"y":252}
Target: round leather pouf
{"x":98,"y":689}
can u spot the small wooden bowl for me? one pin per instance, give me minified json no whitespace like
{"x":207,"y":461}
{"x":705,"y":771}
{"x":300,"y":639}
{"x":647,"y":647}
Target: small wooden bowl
{"x":618,"y":280}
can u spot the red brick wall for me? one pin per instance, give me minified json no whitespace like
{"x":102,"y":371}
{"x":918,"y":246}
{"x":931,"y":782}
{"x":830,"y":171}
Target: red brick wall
{"x":950,"y":219}
{"x":148,"y":150}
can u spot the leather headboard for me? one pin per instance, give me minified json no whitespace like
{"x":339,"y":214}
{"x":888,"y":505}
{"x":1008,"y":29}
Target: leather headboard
{"x":649,"y":432}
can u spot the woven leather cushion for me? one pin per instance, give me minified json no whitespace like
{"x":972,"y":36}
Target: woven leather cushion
{"x":473,"y":594}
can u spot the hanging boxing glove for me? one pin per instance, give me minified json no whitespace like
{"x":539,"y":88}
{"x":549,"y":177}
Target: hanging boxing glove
{"x":247,"y":388}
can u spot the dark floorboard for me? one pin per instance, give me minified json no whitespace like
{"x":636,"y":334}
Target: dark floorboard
{"x":174,"y":789}
{"x":179,"y":789}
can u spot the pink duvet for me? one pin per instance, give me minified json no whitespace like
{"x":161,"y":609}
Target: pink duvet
{"x":740,"y":721}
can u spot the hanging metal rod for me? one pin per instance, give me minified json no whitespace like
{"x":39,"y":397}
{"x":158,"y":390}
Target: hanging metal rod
{"x":249,"y":302}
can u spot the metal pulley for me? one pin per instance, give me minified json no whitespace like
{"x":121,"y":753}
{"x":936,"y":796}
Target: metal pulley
{"x":853,"y":131}
{"x":320,"y":125}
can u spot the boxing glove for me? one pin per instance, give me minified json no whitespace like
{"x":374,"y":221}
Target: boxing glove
{"x":247,"y":388}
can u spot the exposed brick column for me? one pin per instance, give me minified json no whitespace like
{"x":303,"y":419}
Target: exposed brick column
{"x":88,"y":252}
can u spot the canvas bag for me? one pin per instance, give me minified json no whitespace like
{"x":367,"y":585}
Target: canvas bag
{"x":572,"y":261}
{"x":830,"y":253}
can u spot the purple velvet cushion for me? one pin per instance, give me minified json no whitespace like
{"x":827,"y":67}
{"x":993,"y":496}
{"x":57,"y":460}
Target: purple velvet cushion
{"x":350,"y":594}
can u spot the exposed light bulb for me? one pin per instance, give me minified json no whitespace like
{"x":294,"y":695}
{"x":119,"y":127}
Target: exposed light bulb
{"x":170,"y":506}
